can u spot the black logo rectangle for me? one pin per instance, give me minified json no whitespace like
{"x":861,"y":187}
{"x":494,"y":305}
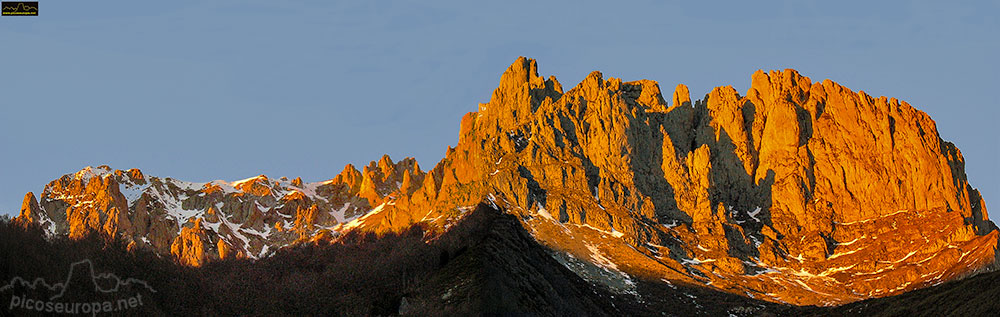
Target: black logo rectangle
{"x":25,"y":8}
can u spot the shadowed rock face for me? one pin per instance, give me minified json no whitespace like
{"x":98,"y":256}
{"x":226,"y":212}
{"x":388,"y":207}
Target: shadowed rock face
{"x":802,"y":192}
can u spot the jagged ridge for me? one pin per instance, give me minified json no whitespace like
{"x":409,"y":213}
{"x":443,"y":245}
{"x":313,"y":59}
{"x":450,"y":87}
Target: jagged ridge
{"x":802,"y":192}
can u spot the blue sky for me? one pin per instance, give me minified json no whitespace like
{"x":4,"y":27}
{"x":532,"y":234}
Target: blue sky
{"x":231,"y":89}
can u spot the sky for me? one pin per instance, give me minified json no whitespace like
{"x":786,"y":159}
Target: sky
{"x":227,"y":90}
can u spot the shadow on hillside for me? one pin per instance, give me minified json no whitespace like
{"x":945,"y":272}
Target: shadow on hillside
{"x":485,"y":264}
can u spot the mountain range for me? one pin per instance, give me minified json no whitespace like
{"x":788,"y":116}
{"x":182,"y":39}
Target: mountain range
{"x":796,"y":193}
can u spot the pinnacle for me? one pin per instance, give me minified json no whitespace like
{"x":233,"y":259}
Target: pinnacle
{"x":522,"y":70}
{"x":681,"y":96}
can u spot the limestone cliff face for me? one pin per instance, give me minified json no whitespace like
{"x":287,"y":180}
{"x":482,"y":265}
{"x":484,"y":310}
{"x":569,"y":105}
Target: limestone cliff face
{"x":798,"y":191}
{"x":189,"y":246}
{"x":198,"y":222}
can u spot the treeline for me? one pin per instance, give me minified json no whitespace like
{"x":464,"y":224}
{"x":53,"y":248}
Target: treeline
{"x":360,"y":274}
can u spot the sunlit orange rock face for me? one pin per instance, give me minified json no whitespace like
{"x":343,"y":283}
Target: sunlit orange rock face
{"x":189,"y":246}
{"x":798,"y":191}
{"x":802,"y":192}
{"x":198,"y":222}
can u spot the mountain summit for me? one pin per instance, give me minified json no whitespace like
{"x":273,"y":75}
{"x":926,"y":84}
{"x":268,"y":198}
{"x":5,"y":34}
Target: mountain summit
{"x":798,"y":191}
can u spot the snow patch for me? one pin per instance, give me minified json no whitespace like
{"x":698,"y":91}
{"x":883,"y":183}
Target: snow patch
{"x":672,"y":224}
{"x":545,"y":213}
{"x":613,"y":232}
{"x":753,"y":214}
{"x":852,"y":241}
{"x":310,"y":190}
{"x":89,"y":172}
{"x":836,"y":270}
{"x":187,"y":185}
{"x":842,"y":254}
{"x":247,"y":180}
{"x":360,"y":220}
{"x":339,"y":214}
{"x":696,"y":261}
{"x":599,"y":259}
{"x":908,"y":255}
{"x":132,"y":192}
{"x":493,"y":201}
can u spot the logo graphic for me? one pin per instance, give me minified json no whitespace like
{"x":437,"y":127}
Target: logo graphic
{"x":23,"y":8}
{"x":83,"y":291}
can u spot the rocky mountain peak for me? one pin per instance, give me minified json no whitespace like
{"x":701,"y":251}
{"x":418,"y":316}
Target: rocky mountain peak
{"x":30,"y":209}
{"x":519,"y":93}
{"x":796,"y":191}
{"x":773,"y":180}
{"x":681,"y":96}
